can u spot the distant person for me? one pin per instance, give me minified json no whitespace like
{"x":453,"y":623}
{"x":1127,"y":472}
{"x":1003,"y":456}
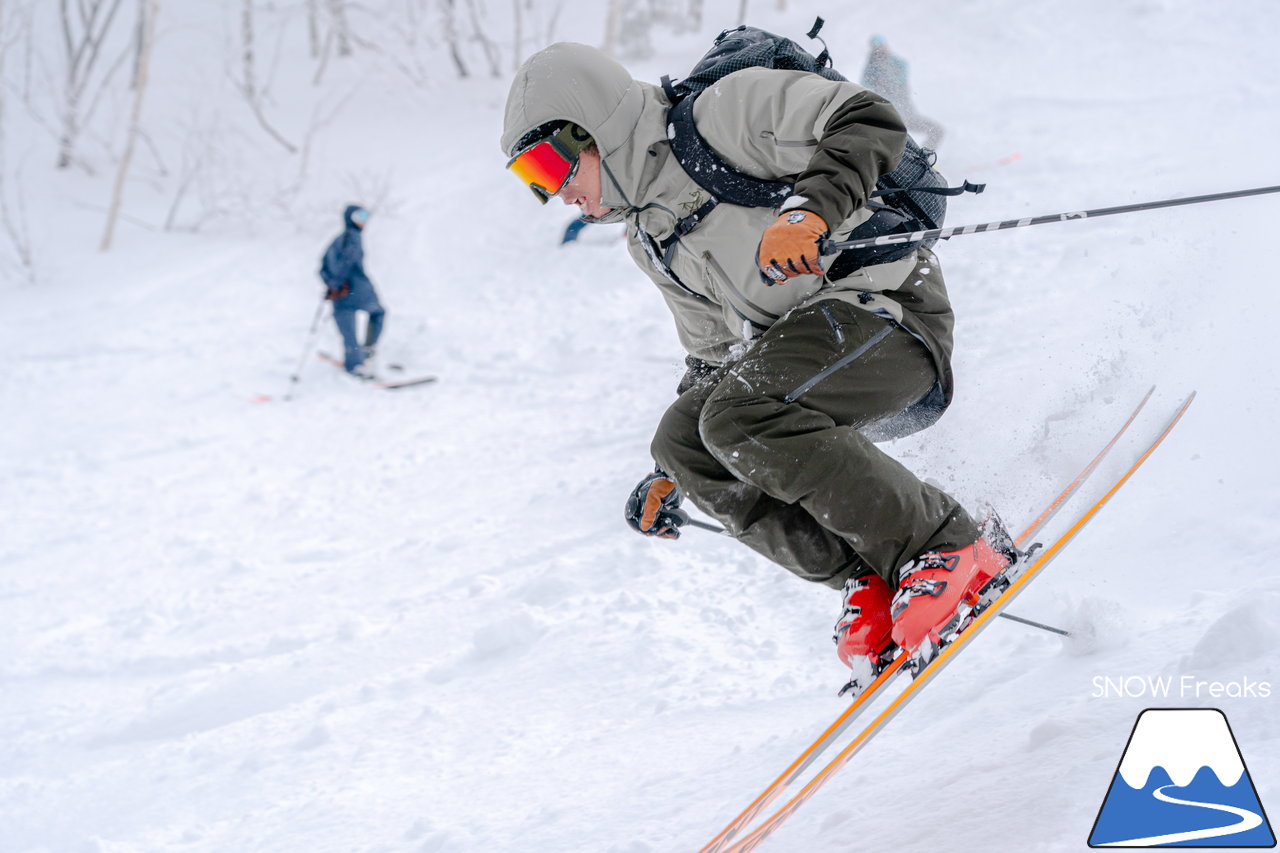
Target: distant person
{"x":886,"y":75}
{"x":572,"y":230}
{"x":342,"y":271}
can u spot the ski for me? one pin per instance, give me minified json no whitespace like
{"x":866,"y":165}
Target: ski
{"x":894,"y":668}
{"x":384,"y":384}
{"x":403,"y":383}
{"x":948,"y":652}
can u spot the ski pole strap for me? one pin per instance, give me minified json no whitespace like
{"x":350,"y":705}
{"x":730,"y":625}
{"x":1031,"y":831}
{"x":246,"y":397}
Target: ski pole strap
{"x":830,"y":247}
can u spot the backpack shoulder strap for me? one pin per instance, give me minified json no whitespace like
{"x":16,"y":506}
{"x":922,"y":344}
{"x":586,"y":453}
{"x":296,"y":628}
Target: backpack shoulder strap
{"x":709,"y":170}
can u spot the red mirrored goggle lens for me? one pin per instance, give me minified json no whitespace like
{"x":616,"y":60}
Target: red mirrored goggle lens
{"x":543,"y":168}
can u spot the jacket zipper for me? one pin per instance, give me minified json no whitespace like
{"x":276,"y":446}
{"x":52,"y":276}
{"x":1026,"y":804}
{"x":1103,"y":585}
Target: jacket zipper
{"x":831,"y":320}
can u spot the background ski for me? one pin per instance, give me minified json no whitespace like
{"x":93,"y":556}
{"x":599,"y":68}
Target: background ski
{"x":757,"y":837}
{"x":864,"y":699}
{"x":403,"y":383}
{"x":386,"y":385}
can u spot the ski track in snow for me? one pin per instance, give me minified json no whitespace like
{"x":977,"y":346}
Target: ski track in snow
{"x":416,"y":622}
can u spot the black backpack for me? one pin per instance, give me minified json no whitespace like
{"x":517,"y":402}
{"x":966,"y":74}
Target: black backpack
{"x":910,"y":198}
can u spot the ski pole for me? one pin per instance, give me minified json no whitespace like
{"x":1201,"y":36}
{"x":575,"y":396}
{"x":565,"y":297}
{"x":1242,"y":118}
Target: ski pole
{"x":306,"y":351}
{"x":693,"y":522}
{"x":702,"y":525}
{"x":829,"y":247}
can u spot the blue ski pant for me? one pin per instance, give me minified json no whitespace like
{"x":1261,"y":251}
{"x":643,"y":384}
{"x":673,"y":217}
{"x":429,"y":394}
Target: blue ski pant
{"x":345,"y":318}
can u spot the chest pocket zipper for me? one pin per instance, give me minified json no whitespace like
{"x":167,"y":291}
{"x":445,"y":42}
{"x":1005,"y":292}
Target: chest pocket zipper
{"x":788,"y":143}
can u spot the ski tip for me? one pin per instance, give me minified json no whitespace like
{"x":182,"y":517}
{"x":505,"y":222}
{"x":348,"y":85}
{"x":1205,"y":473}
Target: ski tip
{"x":261,"y":398}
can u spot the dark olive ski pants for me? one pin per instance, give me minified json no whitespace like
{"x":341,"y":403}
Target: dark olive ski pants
{"x":769,"y":446}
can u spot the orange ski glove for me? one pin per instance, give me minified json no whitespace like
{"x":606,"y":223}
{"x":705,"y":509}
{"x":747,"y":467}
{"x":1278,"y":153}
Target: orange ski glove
{"x":789,"y":247}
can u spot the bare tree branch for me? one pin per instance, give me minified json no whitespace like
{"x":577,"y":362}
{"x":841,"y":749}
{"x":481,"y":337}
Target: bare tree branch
{"x":150,"y":11}
{"x":313,"y":27}
{"x":82,"y":38}
{"x":490,"y":49}
{"x":612,"y":25}
{"x":249,"y":86}
{"x":448,"y":9}
{"x":517,"y":50}
{"x":15,"y":225}
{"x":553,"y":21}
{"x":337,"y":11}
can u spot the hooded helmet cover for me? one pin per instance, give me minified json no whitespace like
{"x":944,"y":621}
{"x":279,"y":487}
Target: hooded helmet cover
{"x":577,"y":83}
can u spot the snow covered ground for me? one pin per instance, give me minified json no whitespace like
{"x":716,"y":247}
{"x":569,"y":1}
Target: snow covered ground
{"x":415,"y":621}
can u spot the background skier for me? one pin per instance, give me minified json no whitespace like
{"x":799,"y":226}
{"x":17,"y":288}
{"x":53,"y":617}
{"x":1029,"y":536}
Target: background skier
{"x":342,"y":271}
{"x":886,"y":74}
{"x":767,"y":434}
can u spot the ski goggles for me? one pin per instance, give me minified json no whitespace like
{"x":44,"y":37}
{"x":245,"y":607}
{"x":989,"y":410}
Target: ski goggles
{"x":551,"y":162}
{"x":360,"y":217}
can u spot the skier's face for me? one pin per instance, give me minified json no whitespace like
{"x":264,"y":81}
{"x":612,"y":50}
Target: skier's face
{"x":584,"y":188}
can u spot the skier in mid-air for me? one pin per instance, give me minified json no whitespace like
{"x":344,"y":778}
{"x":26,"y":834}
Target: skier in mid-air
{"x":347,"y":286}
{"x":796,"y":361}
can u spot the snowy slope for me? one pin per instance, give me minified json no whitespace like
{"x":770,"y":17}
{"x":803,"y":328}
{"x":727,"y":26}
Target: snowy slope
{"x":415,"y":621}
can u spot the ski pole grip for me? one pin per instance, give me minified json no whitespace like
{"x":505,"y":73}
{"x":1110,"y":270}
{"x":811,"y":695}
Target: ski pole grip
{"x":826,"y":246}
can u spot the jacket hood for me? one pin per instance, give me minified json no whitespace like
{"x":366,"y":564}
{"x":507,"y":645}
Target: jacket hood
{"x":348,"y":213}
{"x":578,"y":83}
{"x":624,"y":116}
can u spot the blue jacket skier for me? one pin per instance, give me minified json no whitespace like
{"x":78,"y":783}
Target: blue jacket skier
{"x":342,"y":271}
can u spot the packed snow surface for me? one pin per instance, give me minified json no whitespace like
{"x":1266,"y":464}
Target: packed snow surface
{"x":415,"y":621}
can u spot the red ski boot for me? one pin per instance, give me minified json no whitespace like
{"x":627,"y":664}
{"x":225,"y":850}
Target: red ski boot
{"x":862,"y":635}
{"x":938,"y":591}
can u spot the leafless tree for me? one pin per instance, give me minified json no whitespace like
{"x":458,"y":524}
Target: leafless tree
{"x":248,"y":83}
{"x":85,"y":28}
{"x":14,"y":222}
{"x":338,"y":12}
{"x":552,"y":20}
{"x":491,"y":51}
{"x":611,"y":26}
{"x":138,"y":40}
{"x":325,"y":113}
{"x":517,"y":16}
{"x":313,"y":27}
{"x":411,"y":46}
{"x":695,"y":14}
{"x":150,"y":11}
{"x":449,"y":22}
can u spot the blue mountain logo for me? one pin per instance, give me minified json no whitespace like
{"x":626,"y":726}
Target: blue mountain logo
{"x":1182,"y":782}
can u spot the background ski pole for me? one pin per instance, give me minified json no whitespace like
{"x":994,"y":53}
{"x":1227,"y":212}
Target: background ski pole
{"x":702,"y":525}
{"x":306,"y":351}
{"x":830,"y":247}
